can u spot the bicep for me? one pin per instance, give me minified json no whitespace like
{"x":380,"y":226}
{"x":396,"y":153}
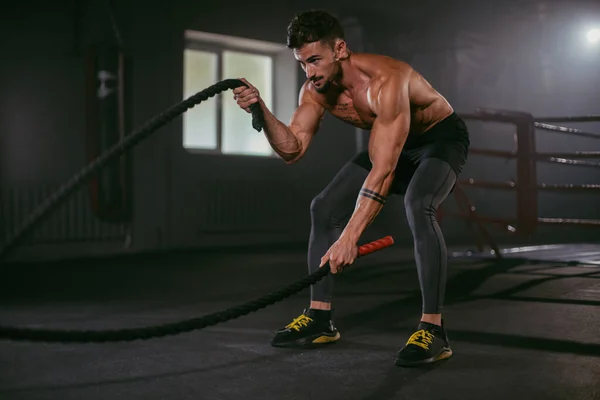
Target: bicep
{"x":391,"y":126}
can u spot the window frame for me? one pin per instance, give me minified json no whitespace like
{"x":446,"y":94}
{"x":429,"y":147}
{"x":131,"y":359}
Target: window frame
{"x":218,"y":49}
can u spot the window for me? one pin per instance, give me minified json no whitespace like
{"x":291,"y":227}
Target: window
{"x":218,"y":124}
{"x":199,"y":123}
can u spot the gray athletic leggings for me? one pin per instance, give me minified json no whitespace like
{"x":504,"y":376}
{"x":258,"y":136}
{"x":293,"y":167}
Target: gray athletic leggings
{"x":424,"y":186}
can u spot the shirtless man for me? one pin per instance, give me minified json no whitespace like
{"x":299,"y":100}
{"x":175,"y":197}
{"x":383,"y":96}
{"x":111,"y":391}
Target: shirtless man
{"x":417,"y":147}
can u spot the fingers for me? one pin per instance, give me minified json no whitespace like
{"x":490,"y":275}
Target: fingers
{"x":324,"y":259}
{"x":337,"y":264}
{"x":245,"y":89}
{"x":245,"y":102}
{"x":334,"y":264}
{"x":245,"y":105}
{"x":333,"y":268}
{"x":246,"y":96}
{"x":337,"y":259}
{"x":240,"y":89}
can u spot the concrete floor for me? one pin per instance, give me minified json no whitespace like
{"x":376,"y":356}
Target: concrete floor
{"x":517,"y":330}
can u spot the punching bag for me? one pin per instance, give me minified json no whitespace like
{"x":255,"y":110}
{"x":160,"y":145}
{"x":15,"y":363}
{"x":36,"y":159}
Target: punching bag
{"x":109,"y":189}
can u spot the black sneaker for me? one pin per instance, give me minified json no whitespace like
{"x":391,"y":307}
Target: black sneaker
{"x":427,"y":345}
{"x":313,"y":327}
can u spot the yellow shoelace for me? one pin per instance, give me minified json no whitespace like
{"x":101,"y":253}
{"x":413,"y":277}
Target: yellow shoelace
{"x":299,"y":322}
{"x":421,"y":338}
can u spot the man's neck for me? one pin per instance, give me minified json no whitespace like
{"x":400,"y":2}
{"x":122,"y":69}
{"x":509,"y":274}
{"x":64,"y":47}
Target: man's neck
{"x":350,"y":77}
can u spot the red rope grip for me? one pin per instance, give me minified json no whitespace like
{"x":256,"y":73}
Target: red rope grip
{"x":378,"y":244}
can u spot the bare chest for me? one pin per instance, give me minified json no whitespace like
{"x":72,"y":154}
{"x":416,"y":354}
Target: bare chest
{"x":353,"y":111}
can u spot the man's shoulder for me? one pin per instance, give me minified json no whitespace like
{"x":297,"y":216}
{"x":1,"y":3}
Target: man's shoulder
{"x":383,"y":62}
{"x":383,"y":69}
{"x":309,"y":93}
{"x":307,"y":88}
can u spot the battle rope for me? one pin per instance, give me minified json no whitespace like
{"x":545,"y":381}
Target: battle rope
{"x":66,"y":336}
{"x":127,"y":143}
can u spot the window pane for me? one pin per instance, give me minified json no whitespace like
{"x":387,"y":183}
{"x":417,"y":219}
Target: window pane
{"x":200,"y":122}
{"x":238,"y":135}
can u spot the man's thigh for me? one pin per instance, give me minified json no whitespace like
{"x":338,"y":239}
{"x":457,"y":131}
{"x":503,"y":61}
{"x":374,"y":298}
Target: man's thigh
{"x":431,"y":183}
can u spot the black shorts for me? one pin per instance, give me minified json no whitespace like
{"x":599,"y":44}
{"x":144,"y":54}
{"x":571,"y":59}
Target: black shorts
{"x":448,"y":140}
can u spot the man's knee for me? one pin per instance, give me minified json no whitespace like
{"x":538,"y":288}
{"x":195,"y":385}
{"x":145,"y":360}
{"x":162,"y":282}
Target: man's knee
{"x":418,"y":207}
{"x":321,"y":207}
{"x":327,"y":211}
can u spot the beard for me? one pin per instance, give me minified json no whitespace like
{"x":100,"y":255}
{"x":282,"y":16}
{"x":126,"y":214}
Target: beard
{"x":324,"y":87}
{"x":335,"y":74}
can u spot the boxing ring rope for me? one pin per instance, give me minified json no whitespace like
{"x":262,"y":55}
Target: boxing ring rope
{"x":526,"y":155}
{"x":585,"y":118}
{"x":127,"y":143}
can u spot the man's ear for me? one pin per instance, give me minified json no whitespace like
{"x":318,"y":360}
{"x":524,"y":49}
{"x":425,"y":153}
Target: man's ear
{"x":340,"y":49}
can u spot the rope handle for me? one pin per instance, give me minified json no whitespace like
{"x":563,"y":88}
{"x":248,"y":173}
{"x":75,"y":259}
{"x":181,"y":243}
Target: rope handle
{"x":376,"y":245}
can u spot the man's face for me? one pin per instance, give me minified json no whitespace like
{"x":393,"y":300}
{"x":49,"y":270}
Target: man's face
{"x":319,"y":62}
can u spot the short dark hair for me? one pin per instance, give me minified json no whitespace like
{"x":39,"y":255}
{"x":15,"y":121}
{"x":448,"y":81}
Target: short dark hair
{"x":312,"y":26}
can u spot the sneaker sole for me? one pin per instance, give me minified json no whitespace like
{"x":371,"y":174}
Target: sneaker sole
{"x":444,"y":355}
{"x":309,"y":342}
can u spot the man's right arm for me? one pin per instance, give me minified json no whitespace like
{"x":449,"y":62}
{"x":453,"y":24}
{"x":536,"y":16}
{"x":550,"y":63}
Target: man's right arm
{"x":292,"y":141}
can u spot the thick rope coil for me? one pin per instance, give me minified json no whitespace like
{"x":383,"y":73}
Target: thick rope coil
{"x":127,"y":143}
{"x":72,"y":336}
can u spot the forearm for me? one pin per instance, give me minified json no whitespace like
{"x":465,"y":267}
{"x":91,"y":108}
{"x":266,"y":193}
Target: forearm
{"x":391,"y":103}
{"x":280,"y":136}
{"x":370,"y":201}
